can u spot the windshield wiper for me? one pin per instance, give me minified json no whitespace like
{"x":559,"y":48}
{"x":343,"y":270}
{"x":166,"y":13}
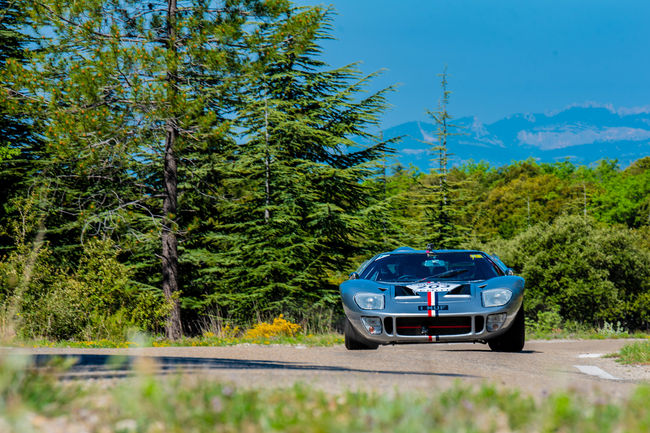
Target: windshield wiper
{"x":450,"y":273}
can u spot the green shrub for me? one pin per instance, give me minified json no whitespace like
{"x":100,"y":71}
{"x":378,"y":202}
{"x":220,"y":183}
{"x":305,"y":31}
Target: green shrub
{"x":586,"y":272}
{"x":96,"y":300}
{"x":548,"y":321}
{"x":26,"y":277}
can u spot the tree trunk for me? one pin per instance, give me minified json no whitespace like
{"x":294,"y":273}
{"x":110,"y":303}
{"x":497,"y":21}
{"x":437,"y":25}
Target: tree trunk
{"x":267,"y":162}
{"x":169,"y":241}
{"x":173,"y":327}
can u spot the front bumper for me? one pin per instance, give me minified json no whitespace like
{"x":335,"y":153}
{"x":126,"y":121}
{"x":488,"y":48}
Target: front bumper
{"x":423,"y":328}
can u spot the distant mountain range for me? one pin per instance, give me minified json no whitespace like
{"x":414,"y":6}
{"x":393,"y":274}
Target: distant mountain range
{"x":583,"y":134}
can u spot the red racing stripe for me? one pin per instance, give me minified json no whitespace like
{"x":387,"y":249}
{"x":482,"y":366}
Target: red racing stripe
{"x":430,"y":301}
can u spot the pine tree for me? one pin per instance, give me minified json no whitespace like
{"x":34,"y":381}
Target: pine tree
{"x":130,"y":94}
{"x":441,"y":207}
{"x":20,"y":145}
{"x":15,"y":132}
{"x":294,"y":217}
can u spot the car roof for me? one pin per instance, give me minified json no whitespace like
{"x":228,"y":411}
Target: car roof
{"x":409,"y":250}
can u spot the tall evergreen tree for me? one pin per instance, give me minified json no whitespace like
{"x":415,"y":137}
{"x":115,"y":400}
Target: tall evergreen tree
{"x":15,"y":131}
{"x":441,"y":207}
{"x":130,"y":93}
{"x":295,"y":215}
{"x":19,"y":142}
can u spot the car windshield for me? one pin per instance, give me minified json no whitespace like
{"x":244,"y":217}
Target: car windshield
{"x":447,"y":266}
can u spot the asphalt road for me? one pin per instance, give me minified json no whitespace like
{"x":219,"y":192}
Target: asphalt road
{"x":542,"y":367}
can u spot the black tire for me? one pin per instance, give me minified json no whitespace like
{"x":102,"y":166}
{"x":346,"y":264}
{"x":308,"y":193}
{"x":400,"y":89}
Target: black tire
{"x":513,"y":339}
{"x":354,"y":341}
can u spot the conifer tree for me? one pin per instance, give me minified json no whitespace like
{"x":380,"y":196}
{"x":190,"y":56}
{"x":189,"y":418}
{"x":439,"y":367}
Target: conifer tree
{"x":19,"y":142}
{"x":440,"y":209}
{"x":129,"y":93}
{"x":295,"y":216}
{"x":14,"y":130}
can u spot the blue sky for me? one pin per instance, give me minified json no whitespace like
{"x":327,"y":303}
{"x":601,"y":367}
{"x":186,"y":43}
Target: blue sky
{"x":503,"y":56}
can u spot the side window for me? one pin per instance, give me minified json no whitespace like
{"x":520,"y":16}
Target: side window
{"x":363,"y":266}
{"x":497,"y":269}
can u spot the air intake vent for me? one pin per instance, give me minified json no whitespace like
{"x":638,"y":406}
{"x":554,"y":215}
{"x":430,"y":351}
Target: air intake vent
{"x":461,"y":290}
{"x":479,"y":323}
{"x":404,"y":291}
{"x":388,"y":325}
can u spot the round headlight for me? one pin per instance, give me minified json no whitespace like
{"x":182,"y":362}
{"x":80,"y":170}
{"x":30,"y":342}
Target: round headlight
{"x":496,"y":297}
{"x":369,"y":301}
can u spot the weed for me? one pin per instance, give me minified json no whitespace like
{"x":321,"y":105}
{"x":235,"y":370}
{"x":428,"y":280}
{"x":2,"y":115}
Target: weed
{"x":635,"y":353}
{"x":574,"y":330}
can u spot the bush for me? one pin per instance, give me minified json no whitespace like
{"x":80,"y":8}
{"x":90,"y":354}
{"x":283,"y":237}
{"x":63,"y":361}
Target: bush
{"x":26,"y":276}
{"x":96,"y":300}
{"x":587,"y":272}
{"x":547,"y":321}
{"x":279,"y":328}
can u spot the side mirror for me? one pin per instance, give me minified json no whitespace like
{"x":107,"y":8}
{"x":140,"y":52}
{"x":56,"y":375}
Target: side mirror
{"x":510,"y":272}
{"x":354,"y":276}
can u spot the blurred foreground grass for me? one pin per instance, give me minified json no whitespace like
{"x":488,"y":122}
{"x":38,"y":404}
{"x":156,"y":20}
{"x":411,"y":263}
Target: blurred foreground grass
{"x":34,"y":401}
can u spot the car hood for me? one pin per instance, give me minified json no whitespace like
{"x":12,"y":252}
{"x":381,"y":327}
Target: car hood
{"x":398,"y":289}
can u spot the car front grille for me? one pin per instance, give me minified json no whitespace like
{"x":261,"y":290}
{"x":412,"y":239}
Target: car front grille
{"x":434,"y":325}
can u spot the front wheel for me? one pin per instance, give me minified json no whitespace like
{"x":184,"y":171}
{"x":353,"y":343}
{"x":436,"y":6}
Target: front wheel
{"x":513,"y":339}
{"x":354,"y":341}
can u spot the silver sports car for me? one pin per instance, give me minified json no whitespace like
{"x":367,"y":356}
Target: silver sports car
{"x":425,"y":296}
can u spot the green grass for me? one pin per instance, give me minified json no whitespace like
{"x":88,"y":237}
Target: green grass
{"x":634,"y":353}
{"x":300,"y":339}
{"x":209,"y":340}
{"x":586,"y":334}
{"x":31,"y":401}
{"x":281,"y":331}
{"x":543,"y":331}
{"x":277,"y":331}
{"x":310,"y":340}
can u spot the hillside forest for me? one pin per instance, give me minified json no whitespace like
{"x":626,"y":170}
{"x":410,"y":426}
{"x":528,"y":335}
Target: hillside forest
{"x":167,"y":164}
